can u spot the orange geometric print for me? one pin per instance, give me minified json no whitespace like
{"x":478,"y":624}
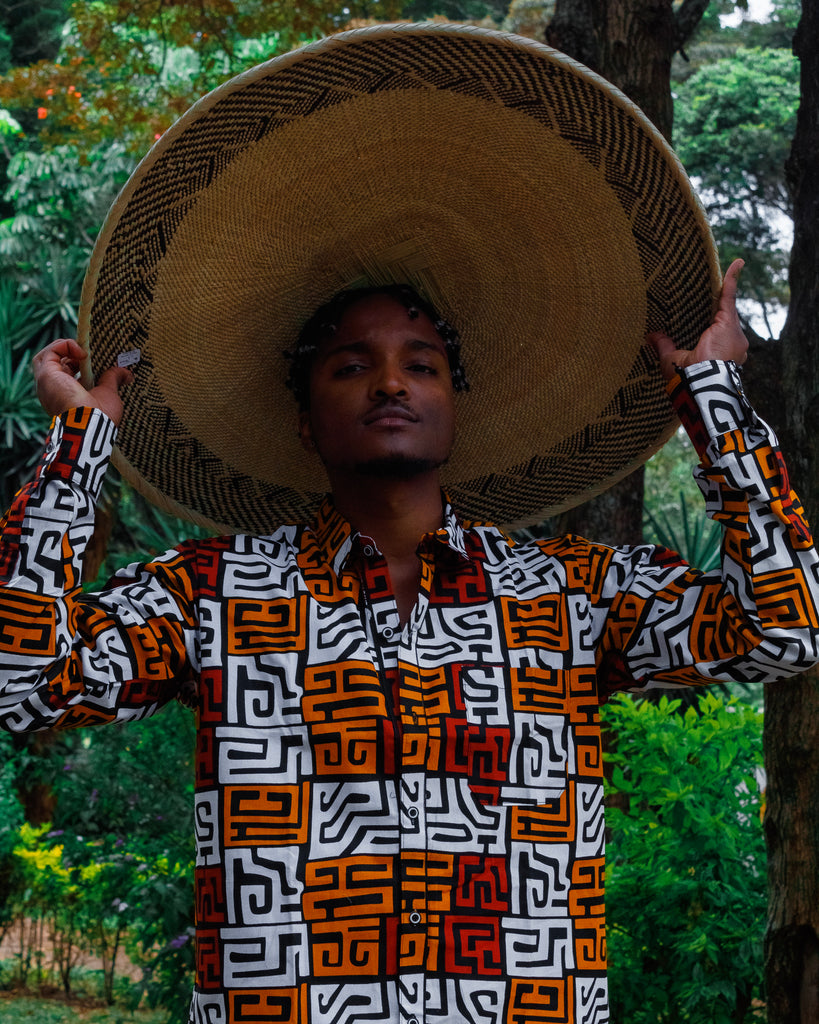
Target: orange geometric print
{"x":266,"y":815}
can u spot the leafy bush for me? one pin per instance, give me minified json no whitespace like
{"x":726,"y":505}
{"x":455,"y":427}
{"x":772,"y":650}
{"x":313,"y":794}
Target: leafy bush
{"x":51,"y":891}
{"x":131,"y":781}
{"x":163,"y":940}
{"x":11,"y":818}
{"x":77,"y":895}
{"x":686,"y":861}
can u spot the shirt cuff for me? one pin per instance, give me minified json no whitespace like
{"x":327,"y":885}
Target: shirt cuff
{"x":710,"y":401}
{"x":79,"y":447}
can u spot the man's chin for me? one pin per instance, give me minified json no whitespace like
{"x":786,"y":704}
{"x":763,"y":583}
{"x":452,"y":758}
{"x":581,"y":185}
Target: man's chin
{"x":397,"y":467}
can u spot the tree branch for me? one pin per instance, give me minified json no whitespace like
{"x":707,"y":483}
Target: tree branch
{"x":686,"y":18}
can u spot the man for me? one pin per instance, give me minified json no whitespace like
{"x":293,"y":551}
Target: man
{"x":399,"y":805}
{"x":399,"y":782}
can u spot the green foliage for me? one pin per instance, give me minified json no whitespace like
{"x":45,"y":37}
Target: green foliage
{"x":50,"y":893}
{"x":133,"y":779}
{"x":11,"y":813}
{"x":128,"y":791}
{"x":685,"y":862}
{"x":127,"y":69}
{"x":21,"y":417}
{"x":9,"y":126}
{"x":696,"y":538}
{"x":93,"y":896}
{"x":734,"y":119}
{"x":777,"y":29}
{"x":30,"y":30}
{"x":60,"y":199}
{"x":46,"y":1011}
{"x":11,"y":818}
{"x":455,"y":10}
{"x":22,"y":420}
{"x":163,"y":942}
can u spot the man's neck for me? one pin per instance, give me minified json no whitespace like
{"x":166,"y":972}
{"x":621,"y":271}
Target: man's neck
{"x":395,"y":513}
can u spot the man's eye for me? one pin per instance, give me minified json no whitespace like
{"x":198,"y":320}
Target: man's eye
{"x":347,"y":369}
{"x":423,"y":368}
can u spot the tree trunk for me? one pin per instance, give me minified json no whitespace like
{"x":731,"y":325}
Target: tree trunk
{"x":792,"y":709}
{"x":37,"y":794}
{"x":631,"y":45}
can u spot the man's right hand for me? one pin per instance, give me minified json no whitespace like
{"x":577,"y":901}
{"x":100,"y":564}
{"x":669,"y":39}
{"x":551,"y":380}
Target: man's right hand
{"x":58,"y":389}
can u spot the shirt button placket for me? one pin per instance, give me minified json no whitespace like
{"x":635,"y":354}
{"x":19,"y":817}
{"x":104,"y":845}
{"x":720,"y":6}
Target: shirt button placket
{"x":414,"y":899}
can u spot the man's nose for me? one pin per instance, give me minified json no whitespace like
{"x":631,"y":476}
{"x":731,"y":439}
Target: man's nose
{"x":390,"y":381}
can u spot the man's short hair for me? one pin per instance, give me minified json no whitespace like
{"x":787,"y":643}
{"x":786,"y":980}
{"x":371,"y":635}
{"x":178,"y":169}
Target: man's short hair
{"x":326,"y":319}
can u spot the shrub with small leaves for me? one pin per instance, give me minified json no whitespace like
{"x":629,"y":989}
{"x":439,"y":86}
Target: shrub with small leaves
{"x":686,"y":861}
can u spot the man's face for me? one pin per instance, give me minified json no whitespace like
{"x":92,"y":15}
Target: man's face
{"x":381,"y":399}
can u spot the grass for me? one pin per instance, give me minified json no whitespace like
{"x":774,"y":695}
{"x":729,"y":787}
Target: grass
{"x":28,"y":1009}
{"x":49,"y":1005}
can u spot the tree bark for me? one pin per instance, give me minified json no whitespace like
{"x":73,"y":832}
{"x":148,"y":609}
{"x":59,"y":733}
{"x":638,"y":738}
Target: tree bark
{"x":631,"y":44}
{"x":792,"y":709}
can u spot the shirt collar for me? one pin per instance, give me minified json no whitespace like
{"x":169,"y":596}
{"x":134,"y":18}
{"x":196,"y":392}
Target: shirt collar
{"x":337,"y":541}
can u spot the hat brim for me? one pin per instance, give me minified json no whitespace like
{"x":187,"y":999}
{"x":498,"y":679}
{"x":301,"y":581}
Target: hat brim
{"x":526,"y":198}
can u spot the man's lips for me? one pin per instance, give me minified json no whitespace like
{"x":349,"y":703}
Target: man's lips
{"x":390,"y":415}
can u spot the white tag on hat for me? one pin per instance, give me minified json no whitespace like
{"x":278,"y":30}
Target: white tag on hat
{"x":128,"y":358}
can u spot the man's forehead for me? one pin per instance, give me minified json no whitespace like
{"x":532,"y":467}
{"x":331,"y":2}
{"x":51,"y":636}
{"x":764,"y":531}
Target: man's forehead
{"x":353,"y":343}
{"x":374,"y":316}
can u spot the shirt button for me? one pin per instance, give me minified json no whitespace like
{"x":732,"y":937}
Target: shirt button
{"x":388,"y":633}
{"x":369,"y":550}
{"x":412,"y":812}
{"x":415,"y":917}
{"x":412,"y":1020}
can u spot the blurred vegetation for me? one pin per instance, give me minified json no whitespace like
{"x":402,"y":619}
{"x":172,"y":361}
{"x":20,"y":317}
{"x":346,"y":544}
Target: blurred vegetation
{"x":34,"y":1010}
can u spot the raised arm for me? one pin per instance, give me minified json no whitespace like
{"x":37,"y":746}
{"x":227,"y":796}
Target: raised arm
{"x":757,"y":618}
{"x":67,"y":657}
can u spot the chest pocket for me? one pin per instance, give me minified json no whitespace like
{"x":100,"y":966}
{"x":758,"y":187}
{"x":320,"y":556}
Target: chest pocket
{"x":511,"y":757}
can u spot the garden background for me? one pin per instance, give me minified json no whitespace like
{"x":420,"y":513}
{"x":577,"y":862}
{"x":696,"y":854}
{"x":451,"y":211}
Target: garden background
{"x":96,"y":829}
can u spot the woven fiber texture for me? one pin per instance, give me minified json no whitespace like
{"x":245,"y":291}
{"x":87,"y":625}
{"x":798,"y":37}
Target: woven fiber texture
{"x":531,"y":202}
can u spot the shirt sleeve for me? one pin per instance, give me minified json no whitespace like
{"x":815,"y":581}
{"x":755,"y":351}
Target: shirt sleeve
{"x":756,"y":618}
{"x":69,"y":658}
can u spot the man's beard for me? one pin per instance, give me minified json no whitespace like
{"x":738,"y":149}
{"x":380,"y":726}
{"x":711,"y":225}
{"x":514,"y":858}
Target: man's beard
{"x":397,"y":467}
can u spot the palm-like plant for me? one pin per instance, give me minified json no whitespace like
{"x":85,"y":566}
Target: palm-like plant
{"x":695,"y":537}
{"x":22,"y":420}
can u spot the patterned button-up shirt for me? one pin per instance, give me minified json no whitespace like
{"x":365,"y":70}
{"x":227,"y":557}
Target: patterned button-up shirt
{"x":401,"y":824}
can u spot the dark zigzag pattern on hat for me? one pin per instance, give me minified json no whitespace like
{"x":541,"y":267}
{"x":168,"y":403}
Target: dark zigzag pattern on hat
{"x":197,"y":478}
{"x":521,"y":492}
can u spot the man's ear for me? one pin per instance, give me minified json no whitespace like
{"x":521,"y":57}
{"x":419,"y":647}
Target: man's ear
{"x":305,"y":431}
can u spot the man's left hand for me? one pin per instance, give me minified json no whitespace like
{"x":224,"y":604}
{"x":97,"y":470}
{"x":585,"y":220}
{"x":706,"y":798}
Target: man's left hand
{"x":722,"y":340}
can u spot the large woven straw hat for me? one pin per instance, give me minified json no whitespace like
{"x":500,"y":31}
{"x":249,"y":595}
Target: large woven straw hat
{"x":527,"y":199}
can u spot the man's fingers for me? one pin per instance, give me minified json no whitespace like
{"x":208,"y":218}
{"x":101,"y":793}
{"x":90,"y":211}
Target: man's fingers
{"x":730,"y":283}
{"x":667,"y":353}
{"x":660,"y":342}
{"x":60,"y":350}
{"x":55,"y":370}
{"x":115,"y":377}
